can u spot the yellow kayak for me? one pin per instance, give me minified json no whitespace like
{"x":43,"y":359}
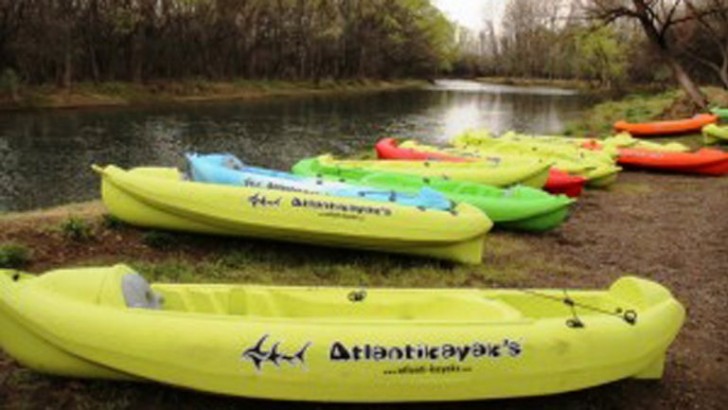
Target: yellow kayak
{"x":626,"y":140}
{"x":494,"y":171}
{"x":566,"y":151}
{"x":713,"y":134}
{"x":598,"y":168}
{"x":335,"y":344}
{"x":159,"y":198}
{"x":610,"y":145}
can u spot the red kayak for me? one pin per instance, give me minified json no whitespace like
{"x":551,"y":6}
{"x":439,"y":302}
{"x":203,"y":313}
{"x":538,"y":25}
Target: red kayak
{"x":559,"y":182}
{"x":705,"y":161}
{"x":658,"y":128}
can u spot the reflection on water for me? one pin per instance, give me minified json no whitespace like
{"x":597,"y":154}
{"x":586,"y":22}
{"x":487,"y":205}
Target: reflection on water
{"x":45,"y":155}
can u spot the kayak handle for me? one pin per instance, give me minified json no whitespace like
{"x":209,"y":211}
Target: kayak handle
{"x":357,"y":295}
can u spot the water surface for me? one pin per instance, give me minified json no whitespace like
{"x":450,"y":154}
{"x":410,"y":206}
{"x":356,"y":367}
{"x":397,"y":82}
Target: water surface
{"x":45,"y":155}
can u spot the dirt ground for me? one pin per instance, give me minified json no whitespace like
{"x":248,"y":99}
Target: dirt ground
{"x":673,"y":229}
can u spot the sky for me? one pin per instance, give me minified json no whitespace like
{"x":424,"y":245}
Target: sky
{"x":471,"y":13}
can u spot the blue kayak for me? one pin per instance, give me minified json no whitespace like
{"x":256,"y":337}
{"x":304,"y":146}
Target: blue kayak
{"x":227,"y":169}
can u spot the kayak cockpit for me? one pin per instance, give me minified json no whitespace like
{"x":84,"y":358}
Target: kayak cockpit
{"x":336,"y":303}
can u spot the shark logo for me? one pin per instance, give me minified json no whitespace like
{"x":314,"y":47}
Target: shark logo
{"x":259,"y":355}
{"x":264,"y":201}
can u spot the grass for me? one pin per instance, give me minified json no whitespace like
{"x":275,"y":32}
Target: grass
{"x":598,"y":121}
{"x":537,"y":82}
{"x":159,"y":239}
{"x":89,"y":94}
{"x":76,"y":229}
{"x":292,"y":264}
{"x":13,"y":256}
{"x":177,"y":257}
{"x":111,"y":222}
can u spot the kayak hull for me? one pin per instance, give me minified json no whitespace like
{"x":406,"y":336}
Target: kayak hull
{"x":596,"y":166}
{"x":156,"y":198}
{"x":713,"y":134}
{"x":318,"y":344}
{"x":705,"y":161}
{"x":529,"y":173}
{"x":660,"y":128}
{"x":517,"y":207}
{"x":557,"y":182}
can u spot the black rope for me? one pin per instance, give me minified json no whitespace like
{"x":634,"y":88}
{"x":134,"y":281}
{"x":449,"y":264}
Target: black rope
{"x":574,"y":322}
{"x":629,"y":315}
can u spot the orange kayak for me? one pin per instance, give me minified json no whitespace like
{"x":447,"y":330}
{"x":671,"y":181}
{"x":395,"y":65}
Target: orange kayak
{"x":704,"y":161}
{"x":658,"y":128}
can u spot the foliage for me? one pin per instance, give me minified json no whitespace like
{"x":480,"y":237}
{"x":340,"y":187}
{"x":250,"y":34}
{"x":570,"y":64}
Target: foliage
{"x":605,"y":41}
{"x":9,"y":82}
{"x":13,"y":256}
{"x":76,"y":229}
{"x":599,"y":120}
{"x":601,"y":55}
{"x":111,"y":222}
{"x":159,"y":239}
{"x":105,"y":40}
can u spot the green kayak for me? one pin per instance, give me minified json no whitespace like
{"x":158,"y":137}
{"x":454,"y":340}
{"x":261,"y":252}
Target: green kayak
{"x":518,"y":207}
{"x":721,"y":112}
{"x":713,"y":134}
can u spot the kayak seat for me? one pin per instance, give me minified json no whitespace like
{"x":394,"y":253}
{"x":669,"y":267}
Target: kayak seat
{"x":138,"y":294}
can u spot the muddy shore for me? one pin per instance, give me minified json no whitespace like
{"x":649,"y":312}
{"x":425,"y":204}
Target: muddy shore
{"x":669,"y":228}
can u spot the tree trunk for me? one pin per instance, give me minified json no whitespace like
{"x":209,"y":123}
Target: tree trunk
{"x":687,"y":83}
{"x":136,"y":59}
{"x":723,"y":73}
{"x":67,"y":69}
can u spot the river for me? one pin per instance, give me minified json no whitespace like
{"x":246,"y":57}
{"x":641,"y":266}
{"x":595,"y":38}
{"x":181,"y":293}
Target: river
{"x":45,"y":155}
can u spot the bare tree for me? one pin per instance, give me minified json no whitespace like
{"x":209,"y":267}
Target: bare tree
{"x":657,"y":18}
{"x":712,"y":17}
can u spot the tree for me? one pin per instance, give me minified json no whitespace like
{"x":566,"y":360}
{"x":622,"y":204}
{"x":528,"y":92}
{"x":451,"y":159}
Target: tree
{"x":712,"y":17}
{"x":601,"y":56}
{"x":658,"y":19}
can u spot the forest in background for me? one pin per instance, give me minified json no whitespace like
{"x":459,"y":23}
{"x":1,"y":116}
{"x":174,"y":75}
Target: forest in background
{"x":63,"y":41}
{"x":609,"y":43}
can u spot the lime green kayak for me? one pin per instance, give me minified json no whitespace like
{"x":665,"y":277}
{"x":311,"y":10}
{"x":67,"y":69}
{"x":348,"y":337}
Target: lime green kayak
{"x":335,"y":344}
{"x":713,"y":134}
{"x":549,"y":146}
{"x":159,"y":198}
{"x":609,"y":145}
{"x":598,"y":168}
{"x":721,"y":112}
{"x":626,"y":140}
{"x":518,"y":207}
{"x":494,"y":171}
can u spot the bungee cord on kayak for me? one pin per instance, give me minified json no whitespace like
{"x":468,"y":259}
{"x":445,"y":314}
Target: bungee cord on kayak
{"x":629,"y":316}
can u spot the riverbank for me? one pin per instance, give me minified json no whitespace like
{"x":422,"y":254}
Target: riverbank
{"x":665,"y":227}
{"x":598,"y":120}
{"x":573,"y":84}
{"x":86,"y":95}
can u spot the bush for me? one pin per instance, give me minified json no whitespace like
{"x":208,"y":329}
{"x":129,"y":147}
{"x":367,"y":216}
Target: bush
{"x":76,"y":229}
{"x":159,"y":240}
{"x":13,"y":256}
{"x":111,"y":222}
